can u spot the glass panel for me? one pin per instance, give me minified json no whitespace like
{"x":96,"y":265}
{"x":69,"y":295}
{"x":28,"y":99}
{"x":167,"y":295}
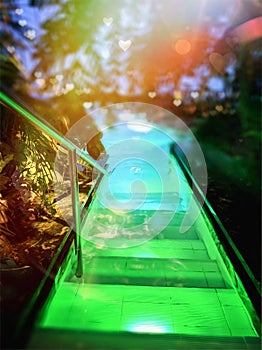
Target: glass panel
{"x":27,"y":172}
{"x":32,"y":228}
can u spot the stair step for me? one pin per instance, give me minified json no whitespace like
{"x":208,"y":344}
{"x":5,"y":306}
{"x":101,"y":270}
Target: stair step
{"x":105,"y":228}
{"x":153,"y":272}
{"x":150,"y":201}
{"x":154,"y":248}
{"x":66,"y":339}
{"x":135,"y":217}
{"x":147,"y":309}
{"x":110,"y":232}
{"x":145,"y":264}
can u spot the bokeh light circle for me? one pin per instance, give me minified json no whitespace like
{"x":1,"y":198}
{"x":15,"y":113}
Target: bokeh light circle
{"x":182,"y":46}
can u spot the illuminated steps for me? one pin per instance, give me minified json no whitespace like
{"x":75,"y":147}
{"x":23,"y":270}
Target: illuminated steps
{"x":120,"y":308}
{"x":154,"y":248}
{"x":173,"y":288}
{"x":153,"y":272}
{"x":105,"y":228}
{"x":170,"y":232}
{"x":135,"y":217}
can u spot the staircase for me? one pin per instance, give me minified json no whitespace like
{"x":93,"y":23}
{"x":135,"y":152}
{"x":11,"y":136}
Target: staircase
{"x":145,"y":289}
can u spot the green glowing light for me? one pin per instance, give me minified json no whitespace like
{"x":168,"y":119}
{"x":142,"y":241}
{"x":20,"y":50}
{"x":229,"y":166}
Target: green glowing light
{"x":172,"y":283}
{"x":149,"y":328}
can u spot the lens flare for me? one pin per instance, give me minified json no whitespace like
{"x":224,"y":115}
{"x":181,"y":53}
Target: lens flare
{"x":182,"y":46}
{"x":145,"y":190}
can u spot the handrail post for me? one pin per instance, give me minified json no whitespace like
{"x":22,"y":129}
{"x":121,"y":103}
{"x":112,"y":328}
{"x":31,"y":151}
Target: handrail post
{"x":76,"y":209}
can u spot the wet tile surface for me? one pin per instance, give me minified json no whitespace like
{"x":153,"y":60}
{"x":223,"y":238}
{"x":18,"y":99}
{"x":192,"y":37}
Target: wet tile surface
{"x":163,"y":309}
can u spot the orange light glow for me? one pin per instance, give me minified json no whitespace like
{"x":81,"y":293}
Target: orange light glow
{"x":248,"y":31}
{"x":182,"y":46}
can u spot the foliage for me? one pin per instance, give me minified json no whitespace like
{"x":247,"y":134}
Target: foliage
{"x":238,"y":135}
{"x":26,"y":176}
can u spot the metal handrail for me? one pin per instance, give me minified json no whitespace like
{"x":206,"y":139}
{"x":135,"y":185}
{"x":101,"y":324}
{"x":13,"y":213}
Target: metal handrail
{"x":51,"y":131}
{"x":76,"y":210}
{"x":74,"y":151}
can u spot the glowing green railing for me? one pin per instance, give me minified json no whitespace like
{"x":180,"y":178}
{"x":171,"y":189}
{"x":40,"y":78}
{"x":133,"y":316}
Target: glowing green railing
{"x":244,"y":279}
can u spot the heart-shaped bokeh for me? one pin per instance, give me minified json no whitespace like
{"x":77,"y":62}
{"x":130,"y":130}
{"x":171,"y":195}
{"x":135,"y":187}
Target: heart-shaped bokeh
{"x":220,"y":62}
{"x":152,"y":94}
{"x":177,"y":103}
{"x":108,"y":21}
{"x":88,"y":105}
{"x":124,"y":44}
{"x":194,"y":94}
